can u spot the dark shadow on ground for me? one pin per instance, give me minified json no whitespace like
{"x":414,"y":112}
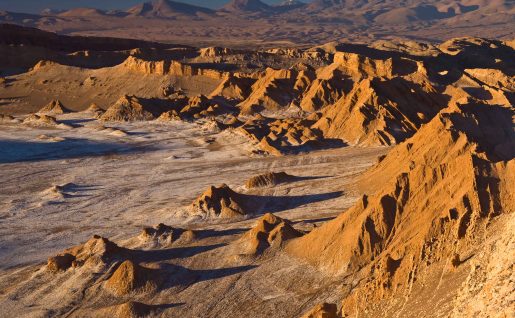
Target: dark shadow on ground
{"x":170,"y":253}
{"x":202,"y":234}
{"x":12,"y":151}
{"x":76,"y":122}
{"x":174,"y":275}
{"x":257,"y":204}
{"x":313,"y":145}
{"x":318,"y":220}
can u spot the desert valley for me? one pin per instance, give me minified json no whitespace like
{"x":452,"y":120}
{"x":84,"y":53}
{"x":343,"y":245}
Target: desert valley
{"x":362,"y":165}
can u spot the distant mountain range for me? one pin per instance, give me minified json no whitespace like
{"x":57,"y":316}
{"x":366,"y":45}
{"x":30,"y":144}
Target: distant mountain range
{"x":409,"y":9}
{"x":291,"y":22}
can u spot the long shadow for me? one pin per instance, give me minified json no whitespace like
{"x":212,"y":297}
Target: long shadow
{"x":260,"y":204}
{"x":297,"y":178}
{"x":76,"y":122}
{"x":174,"y":275}
{"x":72,"y":190}
{"x":13,"y":151}
{"x":293,"y":179}
{"x":329,"y":218}
{"x":170,"y":253}
{"x":202,"y":234}
{"x":313,"y":145}
{"x":152,"y":310}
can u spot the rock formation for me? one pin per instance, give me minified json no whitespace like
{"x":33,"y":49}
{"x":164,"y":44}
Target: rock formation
{"x":436,"y":194}
{"x":273,"y":91}
{"x":323,"y":310}
{"x":163,"y":235}
{"x":234,"y":88}
{"x":95,"y":110}
{"x":43,"y":121}
{"x":379,"y":112}
{"x":131,"y":108}
{"x":54,"y":107}
{"x":430,"y":227}
{"x":221,"y":202}
{"x":284,"y":136}
{"x":269,"y":179}
{"x":96,"y":252}
{"x":131,"y":309}
{"x":6,"y":118}
{"x":270,"y":231}
{"x":131,"y":278}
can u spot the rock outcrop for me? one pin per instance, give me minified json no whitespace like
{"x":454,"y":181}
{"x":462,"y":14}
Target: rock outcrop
{"x":436,"y":194}
{"x":378,"y":112}
{"x":131,"y":278}
{"x":270,"y":231}
{"x":284,"y":136}
{"x":269,"y":179}
{"x":234,"y":88}
{"x":95,"y":110}
{"x":168,"y":67}
{"x":131,"y":309}
{"x":323,"y":310}
{"x":163,"y":235}
{"x":96,"y":252}
{"x":43,"y":121}
{"x":221,"y":202}
{"x":55,"y":107}
{"x":6,"y":118}
{"x":131,"y":108}
{"x":274,"y":91}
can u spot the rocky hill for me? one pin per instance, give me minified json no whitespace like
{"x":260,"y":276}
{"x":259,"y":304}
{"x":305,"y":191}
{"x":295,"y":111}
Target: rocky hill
{"x":255,"y":23}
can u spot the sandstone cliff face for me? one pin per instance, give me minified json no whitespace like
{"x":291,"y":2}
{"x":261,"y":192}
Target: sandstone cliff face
{"x":437,"y":193}
{"x":168,"y":67}
{"x":273,"y":91}
{"x":328,"y":87}
{"x":381,"y":112}
{"x":234,"y":88}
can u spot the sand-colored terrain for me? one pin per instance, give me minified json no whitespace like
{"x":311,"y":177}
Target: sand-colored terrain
{"x":155,"y":180}
{"x":252,"y":23}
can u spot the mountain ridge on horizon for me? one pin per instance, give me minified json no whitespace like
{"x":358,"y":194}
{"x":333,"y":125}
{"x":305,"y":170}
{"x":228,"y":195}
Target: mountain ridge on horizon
{"x":290,"y":23}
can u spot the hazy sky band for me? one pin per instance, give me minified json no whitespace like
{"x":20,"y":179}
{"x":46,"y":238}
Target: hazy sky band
{"x":36,"y":6}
